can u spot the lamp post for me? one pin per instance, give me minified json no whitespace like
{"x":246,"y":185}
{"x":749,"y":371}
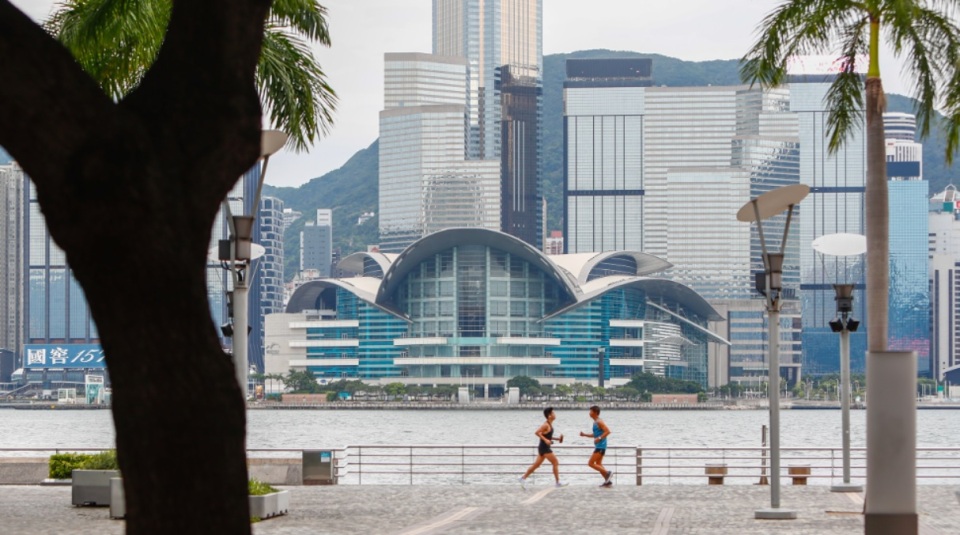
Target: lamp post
{"x":843,"y":245}
{"x":757,"y":209}
{"x":237,"y":253}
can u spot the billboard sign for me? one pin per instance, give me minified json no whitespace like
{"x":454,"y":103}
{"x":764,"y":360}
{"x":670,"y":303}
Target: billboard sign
{"x":62,"y":356}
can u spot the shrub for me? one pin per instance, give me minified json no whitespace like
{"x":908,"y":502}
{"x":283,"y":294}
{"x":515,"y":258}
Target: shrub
{"x":259,"y":488}
{"x":62,"y":465}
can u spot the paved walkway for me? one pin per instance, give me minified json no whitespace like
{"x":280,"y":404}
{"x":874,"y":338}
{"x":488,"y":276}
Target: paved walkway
{"x":489,"y":509}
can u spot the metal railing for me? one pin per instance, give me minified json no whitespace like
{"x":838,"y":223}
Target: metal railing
{"x":502,"y":464}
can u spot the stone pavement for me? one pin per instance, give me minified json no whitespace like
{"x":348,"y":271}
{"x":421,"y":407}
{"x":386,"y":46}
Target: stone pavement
{"x":490,"y":509}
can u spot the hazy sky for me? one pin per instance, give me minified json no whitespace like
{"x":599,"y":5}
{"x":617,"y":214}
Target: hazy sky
{"x":362,"y":30}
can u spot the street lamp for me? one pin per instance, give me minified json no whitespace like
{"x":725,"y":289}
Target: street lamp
{"x":843,"y":245}
{"x":763,"y":207}
{"x":237,"y":253}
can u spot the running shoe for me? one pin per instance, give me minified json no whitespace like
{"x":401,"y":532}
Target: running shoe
{"x":562,"y":484}
{"x":607,"y":483}
{"x":606,"y":478}
{"x":523,"y":482}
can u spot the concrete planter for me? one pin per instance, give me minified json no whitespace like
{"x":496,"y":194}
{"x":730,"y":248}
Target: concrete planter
{"x":270,"y":505}
{"x":92,"y":487}
{"x":118,"y":505}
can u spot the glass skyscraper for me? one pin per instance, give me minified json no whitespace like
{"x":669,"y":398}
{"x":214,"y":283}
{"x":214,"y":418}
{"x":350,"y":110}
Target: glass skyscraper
{"x":835,"y":205}
{"x":501,"y":42}
{"x":12,"y":181}
{"x":266,"y":290}
{"x":666,"y":169}
{"x":426,"y":182}
{"x":944,"y":250}
{"x":316,"y":244}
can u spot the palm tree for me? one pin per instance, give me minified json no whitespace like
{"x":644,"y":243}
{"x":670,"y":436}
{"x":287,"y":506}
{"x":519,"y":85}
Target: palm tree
{"x":116,"y":42}
{"x":924,"y":32}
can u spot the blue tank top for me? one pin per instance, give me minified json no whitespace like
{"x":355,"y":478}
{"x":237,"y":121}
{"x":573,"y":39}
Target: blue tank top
{"x":602,"y":445}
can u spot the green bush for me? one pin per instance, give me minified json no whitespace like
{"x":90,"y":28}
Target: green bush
{"x":62,"y":465}
{"x":259,"y":488}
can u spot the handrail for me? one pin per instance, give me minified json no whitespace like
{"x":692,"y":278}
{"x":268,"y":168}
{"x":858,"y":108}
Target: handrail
{"x":503,"y":463}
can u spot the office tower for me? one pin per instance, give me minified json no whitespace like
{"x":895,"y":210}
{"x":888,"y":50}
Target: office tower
{"x":266,"y":292}
{"x":426,"y":182}
{"x":944,"y":247}
{"x":11,"y":256}
{"x":316,"y":244}
{"x":909,"y":321}
{"x":501,"y":42}
{"x":666,"y":169}
{"x":603,"y":153}
{"x":290,"y":216}
{"x":835,"y":205}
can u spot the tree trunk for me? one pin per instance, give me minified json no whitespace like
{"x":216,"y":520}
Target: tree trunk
{"x":878,"y":220}
{"x":129,"y":191}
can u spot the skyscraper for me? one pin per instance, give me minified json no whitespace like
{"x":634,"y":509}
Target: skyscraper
{"x":909,"y":322}
{"x":665,"y":169}
{"x":12,"y":183}
{"x":501,"y":42}
{"x":835,"y":205}
{"x":316,"y":244}
{"x":426,"y":182}
{"x":266,"y":292}
{"x":944,"y":247}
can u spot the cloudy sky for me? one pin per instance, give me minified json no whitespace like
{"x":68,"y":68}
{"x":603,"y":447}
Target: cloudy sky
{"x":362,"y":30}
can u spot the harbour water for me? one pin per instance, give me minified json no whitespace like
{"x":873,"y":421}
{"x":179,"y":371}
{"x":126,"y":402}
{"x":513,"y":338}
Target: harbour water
{"x":308,"y":429}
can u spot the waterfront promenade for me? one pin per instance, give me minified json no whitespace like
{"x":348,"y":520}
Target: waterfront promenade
{"x":491,"y":509}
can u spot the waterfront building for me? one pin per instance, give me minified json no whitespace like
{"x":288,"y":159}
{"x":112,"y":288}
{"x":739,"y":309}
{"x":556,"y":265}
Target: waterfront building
{"x":835,"y":205}
{"x":480,"y":306}
{"x":944,"y":250}
{"x":554,"y":243}
{"x":316,"y":243}
{"x":290,"y":216}
{"x":501,"y":43}
{"x":426,"y":181}
{"x":645,"y":167}
{"x":909,"y":309}
{"x":12,"y":182}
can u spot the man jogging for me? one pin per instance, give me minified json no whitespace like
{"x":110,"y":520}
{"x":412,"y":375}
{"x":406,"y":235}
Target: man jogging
{"x":599,"y":435}
{"x":544,"y":451}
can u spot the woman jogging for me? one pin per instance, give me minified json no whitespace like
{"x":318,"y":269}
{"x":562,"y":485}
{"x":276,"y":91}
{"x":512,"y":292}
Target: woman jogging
{"x":544,"y":451}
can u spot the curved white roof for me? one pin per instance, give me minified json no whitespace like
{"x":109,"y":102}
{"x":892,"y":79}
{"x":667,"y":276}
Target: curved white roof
{"x":581,"y":265}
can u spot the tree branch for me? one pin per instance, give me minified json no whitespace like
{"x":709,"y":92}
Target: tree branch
{"x":48,"y":104}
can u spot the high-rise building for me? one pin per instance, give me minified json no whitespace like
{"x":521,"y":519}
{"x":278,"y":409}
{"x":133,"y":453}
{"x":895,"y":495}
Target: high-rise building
{"x":666,"y":169}
{"x":316,"y":243}
{"x":266,"y":291}
{"x":426,"y":182}
{"x":501,"y":42}
{"x":603,"y":153}
{"x":12,"y":182}
{"x":909,"y":312}
{"x":944,"y":249}
{"x":835,"y":205}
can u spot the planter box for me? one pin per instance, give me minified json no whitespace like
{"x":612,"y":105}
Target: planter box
{"x":92,"y":487}
{"x":270,"y":505}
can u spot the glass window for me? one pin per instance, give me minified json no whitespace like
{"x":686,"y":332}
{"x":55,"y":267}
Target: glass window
{"x":518,"y":289}
{"x":518,"y":309}
{"x":498,"y":288}
{"x":446,"y":288}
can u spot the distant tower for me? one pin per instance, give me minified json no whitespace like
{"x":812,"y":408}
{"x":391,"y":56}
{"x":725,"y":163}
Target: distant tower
{"x":944,"y":272}
{"x":267,"y":289}
{"x":12,"y":182}
{"x":316,"y":243}
{"x":909,"y":268}
{"x":502,"y":44}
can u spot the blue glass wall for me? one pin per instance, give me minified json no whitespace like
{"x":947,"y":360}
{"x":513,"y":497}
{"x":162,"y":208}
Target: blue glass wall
{"x":909,"y":326}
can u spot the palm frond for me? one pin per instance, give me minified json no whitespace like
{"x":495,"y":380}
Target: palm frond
{"x":796,"y":27}
{"x":293,"y":88}
{"x":845,"y":97}
{"x":951,"y":99}
{"x":305,"y":17}
{"x":931,"y":42}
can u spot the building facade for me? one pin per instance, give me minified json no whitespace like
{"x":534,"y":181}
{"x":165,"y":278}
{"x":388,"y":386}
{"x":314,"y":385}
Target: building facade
{"x":501,"y":42}
{"x":426,"y":181}
{"x":908,"y":193}
{"x":646,"y":166}
{"x":12,"y":181}
{"x":944,"y":251}
{"x":480,"y":306}
{"x":266,"y":291}
{"x":835,"y":205}
{"x":316,"y":244}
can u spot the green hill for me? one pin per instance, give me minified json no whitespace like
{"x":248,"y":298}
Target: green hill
{"x":352,"y":189}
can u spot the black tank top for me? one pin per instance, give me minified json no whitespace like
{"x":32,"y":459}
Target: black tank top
{"x":549,"y":434}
